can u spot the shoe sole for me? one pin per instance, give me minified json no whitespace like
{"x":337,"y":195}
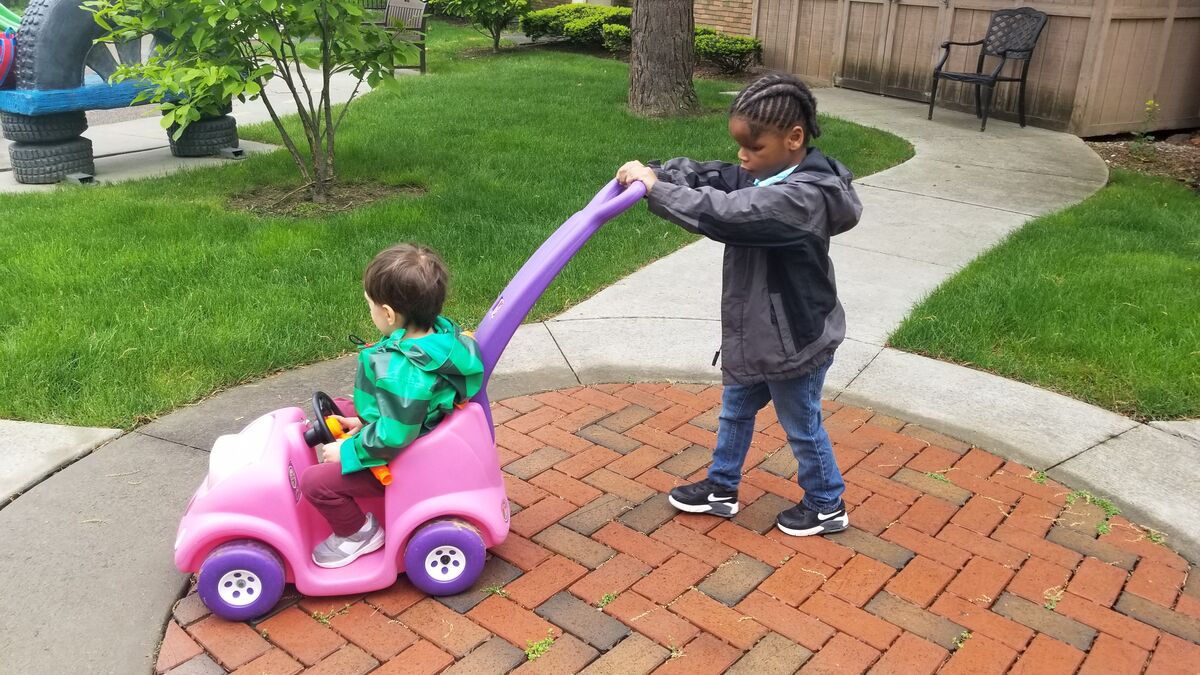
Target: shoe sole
{"x":712,"y":508}
{"x":828,"y":527}
{"x":373,"y":545}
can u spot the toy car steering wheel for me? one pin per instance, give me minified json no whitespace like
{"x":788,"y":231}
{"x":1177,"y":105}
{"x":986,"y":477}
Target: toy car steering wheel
{"x":319,"y":432}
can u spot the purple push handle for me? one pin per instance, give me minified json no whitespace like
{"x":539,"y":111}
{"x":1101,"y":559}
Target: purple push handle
{"x":518,"y":298}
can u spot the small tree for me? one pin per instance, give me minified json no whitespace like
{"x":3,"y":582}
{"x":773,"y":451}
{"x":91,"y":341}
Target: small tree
{"x":225,"y":49}
{"x":489,"y":17}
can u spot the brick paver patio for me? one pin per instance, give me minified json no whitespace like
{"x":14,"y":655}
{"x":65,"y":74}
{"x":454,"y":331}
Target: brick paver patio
{"x":957,"y":561}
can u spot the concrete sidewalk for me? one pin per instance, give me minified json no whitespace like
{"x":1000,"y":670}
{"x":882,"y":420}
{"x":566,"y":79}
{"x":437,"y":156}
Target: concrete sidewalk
{"x":130,"y":143}
{"x":109,"y":518}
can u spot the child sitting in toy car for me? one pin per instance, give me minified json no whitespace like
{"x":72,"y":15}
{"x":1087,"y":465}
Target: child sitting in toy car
{"x":406,"y":383}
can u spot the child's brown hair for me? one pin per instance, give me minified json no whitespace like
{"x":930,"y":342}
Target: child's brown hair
{"x":411,"y":279}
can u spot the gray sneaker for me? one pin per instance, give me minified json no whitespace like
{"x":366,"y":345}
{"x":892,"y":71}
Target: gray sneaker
{"x":341,"y":551}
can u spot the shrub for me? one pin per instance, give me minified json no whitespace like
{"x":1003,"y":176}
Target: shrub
{"x":582,"y":24}
{"x":616,"y":38}
{"x":550,"y":21}
{"x":731,"y":53}
{"x":490,"y":17}
{"x":609,"y":27}
{"x":589,"y":28}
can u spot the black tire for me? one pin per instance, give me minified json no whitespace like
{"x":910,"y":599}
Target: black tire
{"x":42,"y":163}
{"x":205,"y":137}
{"x":50,"y":128}
{"x":52,"y":44}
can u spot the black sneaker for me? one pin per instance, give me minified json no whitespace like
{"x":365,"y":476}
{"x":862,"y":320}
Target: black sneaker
{"x":704,"y":497}
{"x":801,"y":521}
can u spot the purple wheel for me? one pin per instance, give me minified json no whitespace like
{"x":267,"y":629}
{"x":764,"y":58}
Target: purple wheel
{"x":444,"y":557}
{"x":241,"y":580}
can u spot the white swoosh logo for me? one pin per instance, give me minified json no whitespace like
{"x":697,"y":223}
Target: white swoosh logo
{"x":714,"y":498}
{"x":822,"y":516}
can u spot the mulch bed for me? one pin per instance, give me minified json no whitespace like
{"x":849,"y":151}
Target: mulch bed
{"x":1178,"y":158}
{"x":294,"y":202}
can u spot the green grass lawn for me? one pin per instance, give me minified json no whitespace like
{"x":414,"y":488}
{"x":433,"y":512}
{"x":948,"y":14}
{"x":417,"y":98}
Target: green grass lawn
{"x":1100,"y":302}
{"x":119,"y":303}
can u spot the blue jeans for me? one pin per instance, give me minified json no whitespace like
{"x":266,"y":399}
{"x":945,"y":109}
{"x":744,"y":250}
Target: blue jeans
{"x":798,"y":406}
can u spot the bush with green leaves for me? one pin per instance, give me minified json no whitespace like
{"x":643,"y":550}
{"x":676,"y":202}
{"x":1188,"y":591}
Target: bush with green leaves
{"x":489,"y":17}
{"x":589,"y":29}
{"x":550,"y":21}
{"x":731,"y":53}
{"x":616,"y":38}
{"x":227,"y":49}
{"x":582,"y":24}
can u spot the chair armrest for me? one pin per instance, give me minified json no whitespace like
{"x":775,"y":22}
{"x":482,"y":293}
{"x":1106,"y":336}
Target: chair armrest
{"x":946,"y":52}
{"x":947,"y":43}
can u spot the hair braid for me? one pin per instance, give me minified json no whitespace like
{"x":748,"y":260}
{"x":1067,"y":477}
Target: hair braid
{"x":777,"y":102}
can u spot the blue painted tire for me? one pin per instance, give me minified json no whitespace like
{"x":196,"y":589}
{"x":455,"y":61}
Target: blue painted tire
{"x":241,"y":580}
{"x":444,"y":557}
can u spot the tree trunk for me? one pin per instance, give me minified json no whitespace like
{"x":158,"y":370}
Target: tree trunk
{"x":661,"y":58}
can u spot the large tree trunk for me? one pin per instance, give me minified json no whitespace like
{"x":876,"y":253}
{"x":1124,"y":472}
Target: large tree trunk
{"x":661,"y":58}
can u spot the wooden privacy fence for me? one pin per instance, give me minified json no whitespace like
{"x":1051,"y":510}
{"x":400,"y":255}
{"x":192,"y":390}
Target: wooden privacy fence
{"x":1095,"y":66}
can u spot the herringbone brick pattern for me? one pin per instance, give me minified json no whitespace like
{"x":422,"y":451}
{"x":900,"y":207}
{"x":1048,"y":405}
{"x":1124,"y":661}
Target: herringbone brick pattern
{"x":957,"y":561}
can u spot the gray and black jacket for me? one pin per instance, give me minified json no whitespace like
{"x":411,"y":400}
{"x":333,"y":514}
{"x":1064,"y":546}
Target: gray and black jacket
{"x":780,"y":315}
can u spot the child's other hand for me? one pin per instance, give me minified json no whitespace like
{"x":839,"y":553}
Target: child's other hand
{"x":332,"y":452}
{"x":350,"y":425}
{"x":635,"y":170}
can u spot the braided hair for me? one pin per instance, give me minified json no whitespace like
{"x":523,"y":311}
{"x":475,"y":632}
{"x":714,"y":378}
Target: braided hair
{"x":777,"y":102}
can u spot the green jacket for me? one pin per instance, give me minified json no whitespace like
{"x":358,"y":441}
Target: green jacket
{"x":405,"y":387}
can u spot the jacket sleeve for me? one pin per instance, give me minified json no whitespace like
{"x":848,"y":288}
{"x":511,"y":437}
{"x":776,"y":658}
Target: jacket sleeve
{"x":398,"y":425}
{"x":776,"y":215}
{"x":684,"y":171}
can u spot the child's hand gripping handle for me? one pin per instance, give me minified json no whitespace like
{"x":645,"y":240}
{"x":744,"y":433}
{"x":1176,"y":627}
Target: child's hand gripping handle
{"x":614,"y":198}
{"x":381,"y":473}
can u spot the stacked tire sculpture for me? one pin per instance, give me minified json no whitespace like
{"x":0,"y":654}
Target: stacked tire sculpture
{"x":54,"y":46}
{"x":47,"y":148}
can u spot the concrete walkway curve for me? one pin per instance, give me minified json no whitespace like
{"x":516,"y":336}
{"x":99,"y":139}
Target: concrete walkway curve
{"x":108,"y":520}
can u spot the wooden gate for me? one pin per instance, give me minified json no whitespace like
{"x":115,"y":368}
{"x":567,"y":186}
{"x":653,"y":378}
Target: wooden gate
{"x":887,"y":45}
{"x":910,"y":46}
{"x":800,"y":37}
{"x":880,"y":46}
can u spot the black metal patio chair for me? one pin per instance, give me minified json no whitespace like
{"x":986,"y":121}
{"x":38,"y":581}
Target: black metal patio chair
{"x":1011,"y":35}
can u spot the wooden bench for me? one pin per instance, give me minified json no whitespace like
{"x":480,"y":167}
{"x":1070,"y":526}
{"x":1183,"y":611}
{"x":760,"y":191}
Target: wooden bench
{"x":408,"y":18}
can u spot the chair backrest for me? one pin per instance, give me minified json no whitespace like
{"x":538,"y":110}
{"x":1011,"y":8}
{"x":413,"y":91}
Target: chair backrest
{"x":1014,"y":31}
{"x":406,"y":13}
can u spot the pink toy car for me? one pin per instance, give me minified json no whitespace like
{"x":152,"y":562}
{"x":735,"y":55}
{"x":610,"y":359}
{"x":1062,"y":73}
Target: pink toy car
{"x":248,"y":530}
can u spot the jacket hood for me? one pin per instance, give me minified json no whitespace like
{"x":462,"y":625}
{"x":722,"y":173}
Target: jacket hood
{"x":842,"y":204}
{"x":445,"y":351}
